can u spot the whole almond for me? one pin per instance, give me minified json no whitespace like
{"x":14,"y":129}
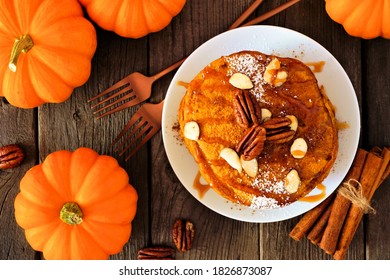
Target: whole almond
{"x":231,"y":158}
{"x":292,"y":181}
{"x":298,"y":148}
{"x":11,"y":156}
{"x":241,"y":81}
{"x":265,"y":114}
{"x":294,"y":122}
{"x":251,"y":167}
{"x":191,"y":130}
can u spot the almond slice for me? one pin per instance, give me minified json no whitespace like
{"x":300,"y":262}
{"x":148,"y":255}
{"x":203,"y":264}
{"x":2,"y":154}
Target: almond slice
{"x":191,"y":130}
{"x":298,"y":148}
{"x":273,"y":65}
{"x":281,"y":77}
{"x":271,"y":70}
{"x":241,"y":81}
{"x":265,"y":114}
{"x":231,"y":158}
{"x":251,"y":167}
{"x":292,"y":181}
{"x":269,"y":76}
{"x":294,"y":122}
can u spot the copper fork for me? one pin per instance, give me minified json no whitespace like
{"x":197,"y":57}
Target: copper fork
{"x":135,"y":88}
{"x":142,"y":126}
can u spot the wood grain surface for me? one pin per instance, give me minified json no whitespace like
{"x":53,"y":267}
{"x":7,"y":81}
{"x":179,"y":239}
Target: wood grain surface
{"x":162,"y":198}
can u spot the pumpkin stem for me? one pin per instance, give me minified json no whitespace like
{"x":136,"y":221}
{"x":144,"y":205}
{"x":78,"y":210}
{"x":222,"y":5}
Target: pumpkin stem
{"x":22,"y":44}
{"x":71,"y":214}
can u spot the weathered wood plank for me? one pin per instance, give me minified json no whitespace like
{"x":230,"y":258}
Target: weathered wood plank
{"x":376,"y":102}
{"x":17,"y":127}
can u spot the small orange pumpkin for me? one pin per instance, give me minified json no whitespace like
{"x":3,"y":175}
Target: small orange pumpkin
{"x":46,"y":47}
{"x":133,"y":18}
{"x":361,"y":18}
{"x":76,"y":205}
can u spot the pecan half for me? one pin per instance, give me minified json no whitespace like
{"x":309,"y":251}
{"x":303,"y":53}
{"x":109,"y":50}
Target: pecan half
{"x":246,"y":108}
{"x":156,"y":253}
{"x":278,"y":129}
{"x":183,"y":233}
{"x":252,"y":143}
{"x":11,"y":156}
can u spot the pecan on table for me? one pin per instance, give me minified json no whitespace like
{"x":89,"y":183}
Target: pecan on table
{"x":252,"y":143}
{"x":246,"y":108}
{"x":278,"y":129}
{"x":183,"y":233}
{"x":156,"y":253}
{"x":11,"y":156}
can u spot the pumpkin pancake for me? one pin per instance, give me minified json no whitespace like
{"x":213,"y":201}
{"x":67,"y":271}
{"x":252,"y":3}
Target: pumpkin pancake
{"x":260,"y":129}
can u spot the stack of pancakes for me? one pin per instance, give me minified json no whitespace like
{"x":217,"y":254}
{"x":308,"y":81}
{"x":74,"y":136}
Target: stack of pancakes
{"x":209,"y":103}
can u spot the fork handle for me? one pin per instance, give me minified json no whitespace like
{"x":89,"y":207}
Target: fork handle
{"x":169,"y":69}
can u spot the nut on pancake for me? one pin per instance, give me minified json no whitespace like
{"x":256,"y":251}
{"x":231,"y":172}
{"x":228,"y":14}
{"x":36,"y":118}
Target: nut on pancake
{"x":269,"y":109}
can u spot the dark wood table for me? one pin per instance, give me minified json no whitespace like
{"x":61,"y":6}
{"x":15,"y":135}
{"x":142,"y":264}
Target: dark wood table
{"x":162,"y":198}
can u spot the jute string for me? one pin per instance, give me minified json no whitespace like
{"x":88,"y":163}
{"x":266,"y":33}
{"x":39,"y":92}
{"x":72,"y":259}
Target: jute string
{"x":352,"y":190}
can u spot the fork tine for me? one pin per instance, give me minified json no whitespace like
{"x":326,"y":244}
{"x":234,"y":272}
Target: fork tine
{"x":131,"y":92}
{"x":119,"y":84}
{"x":148,"y":135}
{"x":138,"y":135}
{"x":134,"y":132}
{"x":130,"y":123}
{"x":127,"y":96}
{"x":128,"y":104}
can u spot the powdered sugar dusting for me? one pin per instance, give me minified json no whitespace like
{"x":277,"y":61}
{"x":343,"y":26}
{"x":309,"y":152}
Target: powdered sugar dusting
{"x":262,"y":202}
{"x":249,"y":65}
{"x":269,"y":183}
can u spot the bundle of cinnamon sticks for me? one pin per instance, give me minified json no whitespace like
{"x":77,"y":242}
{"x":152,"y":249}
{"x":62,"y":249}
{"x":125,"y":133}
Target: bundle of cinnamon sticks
{"x":332,"y":224}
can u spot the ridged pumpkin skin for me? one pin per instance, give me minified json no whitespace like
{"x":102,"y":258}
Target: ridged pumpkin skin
{"x":366,"y":19}
{"x":60,"y":58}
{"x":101,"y":189}
{"x":133,"y":18}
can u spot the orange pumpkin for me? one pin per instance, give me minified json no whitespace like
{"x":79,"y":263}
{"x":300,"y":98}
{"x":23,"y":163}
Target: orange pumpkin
{"x":133,"y":18}
{"x":76,"y":205}
{"x":46,"y":47}
{"x":361,"y":18}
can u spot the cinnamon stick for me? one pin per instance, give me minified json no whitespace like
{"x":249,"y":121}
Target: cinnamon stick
{"x":341,"y":206}
{"x":271,"y":13}
{"x":316,"y":232}
{"x":246,"y":14}
{"x":308,"y":220}
{"x":370,"y":179}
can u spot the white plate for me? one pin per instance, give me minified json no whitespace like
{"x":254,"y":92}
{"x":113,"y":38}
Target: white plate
{"x":269,"y":40}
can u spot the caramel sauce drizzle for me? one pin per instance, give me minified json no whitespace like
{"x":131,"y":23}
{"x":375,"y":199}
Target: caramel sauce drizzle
{"x":298,"y":153}
{"x":342,"y":125}
{"x":316,"y":67}
{"x":201,"y":188}
{"x":183,"y":84}
{"x":315,"y":197}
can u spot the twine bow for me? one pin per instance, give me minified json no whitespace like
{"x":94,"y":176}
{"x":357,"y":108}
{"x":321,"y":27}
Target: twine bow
{"x":352,"y":190}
